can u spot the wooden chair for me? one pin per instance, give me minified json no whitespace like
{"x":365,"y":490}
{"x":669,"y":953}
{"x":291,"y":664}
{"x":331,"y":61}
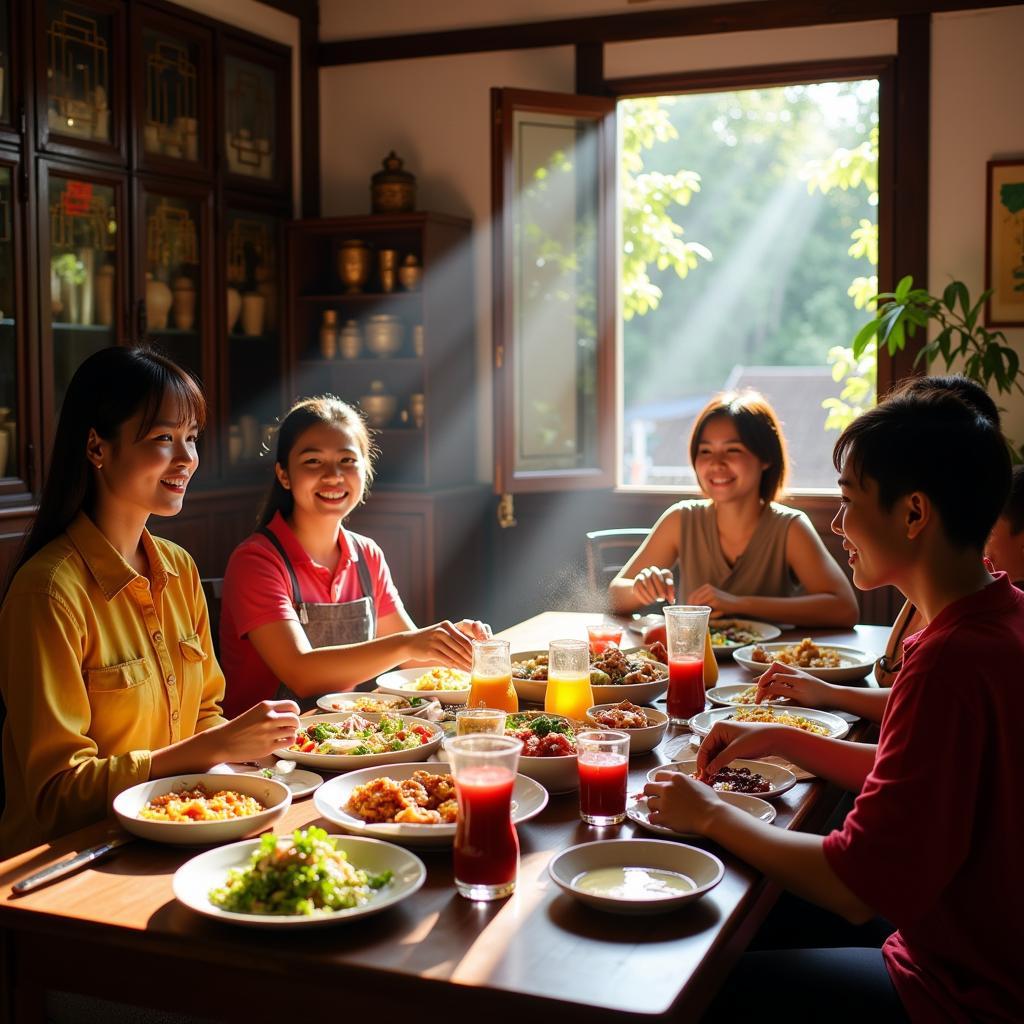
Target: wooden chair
{"x":608,"y":551}
{"x":213,"y":588}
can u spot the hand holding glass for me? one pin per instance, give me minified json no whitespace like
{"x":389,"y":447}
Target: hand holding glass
{"x":686,"y":629}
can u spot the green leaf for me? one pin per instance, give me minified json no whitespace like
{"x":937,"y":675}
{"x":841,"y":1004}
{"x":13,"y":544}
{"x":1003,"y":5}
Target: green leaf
{"x":949,"y":296}
{"x":903,"y":288}
{"x":864,"y":337}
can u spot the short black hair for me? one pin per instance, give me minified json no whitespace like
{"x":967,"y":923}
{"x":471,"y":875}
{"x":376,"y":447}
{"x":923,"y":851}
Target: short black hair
{"x":1014,"y":507}
{"x":940,"y":436}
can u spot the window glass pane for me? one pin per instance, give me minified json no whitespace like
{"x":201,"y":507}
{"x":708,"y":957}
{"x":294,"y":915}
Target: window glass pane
{"x":8,"y":351}
{"x":83,"y":242}
{"x":171,"y":126}
{"x":749,"y":224}
{"x":249,"y":118}
{"x":78,"y":44}
{"x":554,"y":210}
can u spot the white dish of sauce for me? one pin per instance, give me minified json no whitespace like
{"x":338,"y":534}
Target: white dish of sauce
{"x":633,"y":883}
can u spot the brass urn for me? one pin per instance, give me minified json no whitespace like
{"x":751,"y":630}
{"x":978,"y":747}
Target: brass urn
{"x":393,"y":190}
{"x":353,"y":264}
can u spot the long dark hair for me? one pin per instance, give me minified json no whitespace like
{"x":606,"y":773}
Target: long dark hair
{"x":759,"y":430}
{"x":324,"y":409}
{"x":106,"y":391}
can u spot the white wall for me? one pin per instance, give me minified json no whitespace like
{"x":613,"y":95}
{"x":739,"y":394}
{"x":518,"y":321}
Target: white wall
{"x":435,"y":113}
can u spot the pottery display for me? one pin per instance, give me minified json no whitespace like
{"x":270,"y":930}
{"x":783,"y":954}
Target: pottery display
{"x":353,"y":265}
{"x":378,"y":406}
{"x":104,"y":295}
{"x":253,"y":305}
{"x":234,"y":308}
{"x":383,"y":335}
{"x":417,"y":409}
{"x":329,"y":335}
{"x":351,"y":340}
{"x":392,"y":189}
{"x":158,"y":303}
{"x":387,"y":260}
{"x":184,"y":303}
{"x":410,"y":273}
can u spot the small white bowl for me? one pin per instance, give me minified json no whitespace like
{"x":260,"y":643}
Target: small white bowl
{"x":341,"y":702}
{"x":275,"y":796}
{"x":704,"y":868}
{"x":643,"y":740}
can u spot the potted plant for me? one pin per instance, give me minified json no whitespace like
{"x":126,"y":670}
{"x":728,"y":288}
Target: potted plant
{"x":981,"y":354}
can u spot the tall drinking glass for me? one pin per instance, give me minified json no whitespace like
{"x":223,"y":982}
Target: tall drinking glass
{"x":492,"y":676}
{"x":602,"y":636}
{"x":568,"y":692}
{"x":475,"y":720}
{"x":687,"y":627}
{"x":486,"y":851}
{"x":603,"y":759}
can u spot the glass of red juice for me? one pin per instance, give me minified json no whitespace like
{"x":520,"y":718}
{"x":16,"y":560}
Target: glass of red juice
{"x":486,"y":851}
{"x":686,"y":629}
{"x":603,"y":759}
{"x":602,"y":636}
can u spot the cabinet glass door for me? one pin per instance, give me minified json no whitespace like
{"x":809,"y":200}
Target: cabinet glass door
{"x":250,"y":120}
{"x":9,"y":410}
{"x":254,"y":352}
{"x":84,"y":237}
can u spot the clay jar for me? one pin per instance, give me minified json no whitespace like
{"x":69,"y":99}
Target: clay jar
{"x":409,"y":273}
{"x":184,"y":303}
{"x":378,"y":406}
{"x":234,"y":308}
{"x":351,"y":340}
{"x":353,"y":264}
{"x":158,"y":303}
{"x":383,"y":335}
{"x":253,"y":305}
{"x":329,"y":335}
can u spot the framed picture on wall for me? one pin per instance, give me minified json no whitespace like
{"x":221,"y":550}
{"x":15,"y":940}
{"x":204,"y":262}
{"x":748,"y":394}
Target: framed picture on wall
{"x":1004,"y":244}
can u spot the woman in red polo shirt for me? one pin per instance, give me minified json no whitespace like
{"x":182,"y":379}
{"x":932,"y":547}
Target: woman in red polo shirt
{"x":308,"y":606}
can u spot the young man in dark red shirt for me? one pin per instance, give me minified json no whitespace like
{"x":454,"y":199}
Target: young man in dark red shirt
{"x":935,"y":839}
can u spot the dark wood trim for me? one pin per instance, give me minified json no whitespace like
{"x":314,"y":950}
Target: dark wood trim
{"x":750,"y":77}
{"x":590,"y":69}
{"x":750,"y":16}
{"x":309,"y":109}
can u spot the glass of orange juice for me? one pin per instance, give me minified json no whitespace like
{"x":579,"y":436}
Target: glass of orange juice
{"x":568,"y":692}
{"x":492,"y":676}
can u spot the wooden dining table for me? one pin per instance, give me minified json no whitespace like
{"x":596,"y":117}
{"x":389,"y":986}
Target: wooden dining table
{"x":116,"y":931}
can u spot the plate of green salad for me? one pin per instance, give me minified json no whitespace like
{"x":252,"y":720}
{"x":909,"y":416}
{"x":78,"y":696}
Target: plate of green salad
{"x":306,"y":879}
{"x":349,"y":740}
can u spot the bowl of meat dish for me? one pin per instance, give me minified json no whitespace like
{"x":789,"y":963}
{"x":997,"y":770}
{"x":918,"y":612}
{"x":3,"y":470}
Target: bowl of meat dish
{"x":635,"y":876}
{"x":645,"y":727}
{"x":833,"y":663}
{"x":636,"y":675}
{"x":197,"y":809}
{"x":342,"y":742}
{"x":411,"y":804}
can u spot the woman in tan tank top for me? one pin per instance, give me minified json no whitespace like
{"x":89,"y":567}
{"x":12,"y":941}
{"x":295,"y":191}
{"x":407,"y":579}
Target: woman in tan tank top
{"x":738,"y":551}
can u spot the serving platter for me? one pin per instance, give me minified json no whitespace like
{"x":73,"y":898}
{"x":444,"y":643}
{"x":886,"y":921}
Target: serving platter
{"x":401,"y":680}
{"x":529,"y":798}
{"x":854,"y":664}
{"x":701,"y":724}
{"x":194,"y":880}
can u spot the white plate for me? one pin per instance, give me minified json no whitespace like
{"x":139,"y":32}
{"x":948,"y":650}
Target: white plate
{"x":725,"y":696}
{"x":300,"y":783}
{"x":766,"y":630}
{"x":194,"y":880}
{"x":533,"y":690}
{"x":274,"y":796}
{"x":854,"y":664}
{"x":780,"y":779}
{"x":704,"y":868}
{"x":400,"y":681}
{"x":529,"y":798}
{"x":701,"y":724}
{"x":755,"y":807}
{"x":349,"y":762}
{"x":336,"y":702}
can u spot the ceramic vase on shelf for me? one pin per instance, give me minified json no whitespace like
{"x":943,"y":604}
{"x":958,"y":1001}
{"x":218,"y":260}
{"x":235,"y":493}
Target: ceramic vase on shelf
{"x":104,"y":300}
{"x":417,"y":409}
{"x":351,"y":340}
{"x":378,"y":405}
{"x":86,"y":257}
{"x":252,"y":314}
{"x":234,"y":308}
{"x":329,"y":335}
{"x":184,"y":303}
{"x":158,"y":303}
{"x":387,"y":260}
{"x":417,"y":340}
{"x":383,"y":335}
{"x":353,"y":265}
{"x":409,"y":273}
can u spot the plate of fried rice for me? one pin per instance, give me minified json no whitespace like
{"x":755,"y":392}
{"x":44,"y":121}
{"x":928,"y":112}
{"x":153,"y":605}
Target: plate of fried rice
{"x":818,"y":723}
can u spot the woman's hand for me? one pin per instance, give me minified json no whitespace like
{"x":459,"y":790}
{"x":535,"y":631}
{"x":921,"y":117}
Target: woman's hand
{"x":730,"y":740}
{"x":679,"y":802}
{"x":257,"y":732}
{"x":721,"y":602}
{"x":440,"y":644}
{"x":474,"y":629}
{"x":799,"y":686}
{"x":654,"y":584}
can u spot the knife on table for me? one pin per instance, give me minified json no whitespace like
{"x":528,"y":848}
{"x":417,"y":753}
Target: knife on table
{"x":69,"y":865}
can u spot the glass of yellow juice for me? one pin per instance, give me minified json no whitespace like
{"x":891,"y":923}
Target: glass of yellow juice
{"x":471,"y":720}
{"x":492,"y":676}
{"x":568,"y":692}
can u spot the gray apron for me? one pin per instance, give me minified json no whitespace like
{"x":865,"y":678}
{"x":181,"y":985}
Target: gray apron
{"x":330,"y":625}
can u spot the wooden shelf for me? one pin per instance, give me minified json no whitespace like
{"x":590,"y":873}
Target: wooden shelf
{"x":363,"y":298}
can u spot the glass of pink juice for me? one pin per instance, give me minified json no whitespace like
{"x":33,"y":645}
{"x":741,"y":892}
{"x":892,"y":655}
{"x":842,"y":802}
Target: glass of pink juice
{"x":686,"y":630}
{"x":486,"y":851}
{"x":603,"y":636}
{"x":603,"y":760}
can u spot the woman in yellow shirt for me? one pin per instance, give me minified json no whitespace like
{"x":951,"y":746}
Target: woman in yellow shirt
{"x":106,"y":664}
